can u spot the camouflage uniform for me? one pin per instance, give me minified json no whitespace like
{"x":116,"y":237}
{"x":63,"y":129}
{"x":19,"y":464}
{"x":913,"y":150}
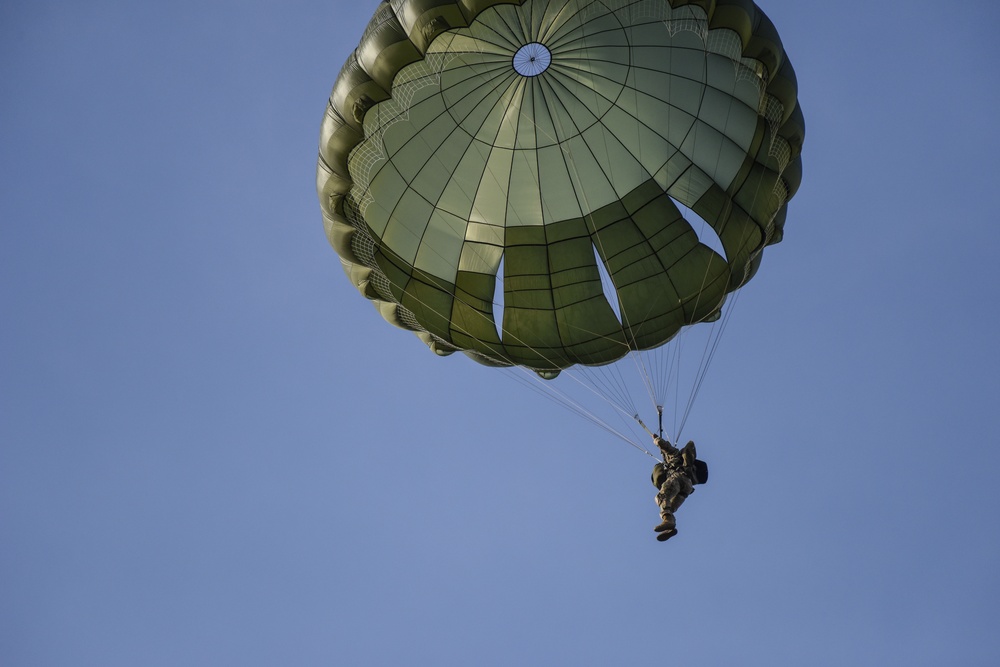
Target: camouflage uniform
{"x":675,"y":479}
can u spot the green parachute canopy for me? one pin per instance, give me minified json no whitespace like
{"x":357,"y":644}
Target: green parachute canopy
{"x":539,"y":155}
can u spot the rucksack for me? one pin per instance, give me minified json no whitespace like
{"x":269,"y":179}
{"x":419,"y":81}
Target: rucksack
{"x":700,"y":469}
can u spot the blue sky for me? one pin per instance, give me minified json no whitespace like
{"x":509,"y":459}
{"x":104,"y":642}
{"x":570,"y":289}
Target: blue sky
{"x":214,"y":452}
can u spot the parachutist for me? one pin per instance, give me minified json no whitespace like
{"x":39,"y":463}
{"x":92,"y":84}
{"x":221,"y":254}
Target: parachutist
{"x":675,"y":478}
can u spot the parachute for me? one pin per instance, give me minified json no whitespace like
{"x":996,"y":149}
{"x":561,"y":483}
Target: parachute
{"x":556,"y":185}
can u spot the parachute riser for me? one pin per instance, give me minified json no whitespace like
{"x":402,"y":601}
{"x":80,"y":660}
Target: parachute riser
{"x":659,"y":412}
{"x":641,"y":423}
{"x":645,"y":428}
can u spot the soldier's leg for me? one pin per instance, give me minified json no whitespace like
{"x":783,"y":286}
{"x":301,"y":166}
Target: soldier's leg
{"x":685,"y":488}
{"x":667,"y":520}
{"x":667,"y":527}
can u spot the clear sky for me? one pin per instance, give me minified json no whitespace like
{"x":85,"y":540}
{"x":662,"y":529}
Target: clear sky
{"x":214,"y":452}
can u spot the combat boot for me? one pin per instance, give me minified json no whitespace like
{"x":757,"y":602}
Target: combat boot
{"x":663,"y":537}
{"x":668,"y":524}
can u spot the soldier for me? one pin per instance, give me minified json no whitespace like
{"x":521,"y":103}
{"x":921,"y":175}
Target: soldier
{"x":675,"y":479}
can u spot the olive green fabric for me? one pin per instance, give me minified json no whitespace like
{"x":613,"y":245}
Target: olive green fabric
{"x":444,"y":160}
